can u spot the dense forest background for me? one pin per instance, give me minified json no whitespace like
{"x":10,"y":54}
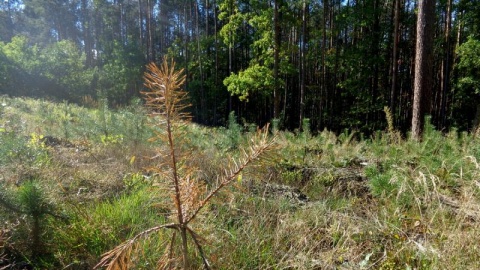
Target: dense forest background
{"x":335,"y":62}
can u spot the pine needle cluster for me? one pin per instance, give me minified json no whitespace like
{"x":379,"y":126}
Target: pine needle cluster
{"x":167,"y":102}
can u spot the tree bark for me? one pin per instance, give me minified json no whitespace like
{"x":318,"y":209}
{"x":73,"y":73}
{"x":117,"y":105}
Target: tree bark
{"x":215,"y":26}
{"x":324,"y":104}
{"x":396,"y":39}
{"x":446,"y":65}
{"x":276,"y":64}
{"x":87,"y":35}
{"x":202,"y":115}
{"x":302,"y":63}
{"x":423,"y":55}
{"x":375,"y":79}
{"x":150,"y":25}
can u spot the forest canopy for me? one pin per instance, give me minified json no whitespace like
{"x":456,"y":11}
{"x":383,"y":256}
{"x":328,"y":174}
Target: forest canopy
{"x":337,"y":63}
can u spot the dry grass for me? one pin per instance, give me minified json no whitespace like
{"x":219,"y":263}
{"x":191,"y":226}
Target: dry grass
{"x":4,"y":260}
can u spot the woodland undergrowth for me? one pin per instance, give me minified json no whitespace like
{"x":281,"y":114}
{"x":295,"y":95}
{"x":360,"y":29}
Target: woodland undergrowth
{"x":90,"y":189}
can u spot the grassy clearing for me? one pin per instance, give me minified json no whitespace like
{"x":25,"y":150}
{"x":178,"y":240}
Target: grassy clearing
{"x":372,"y":203}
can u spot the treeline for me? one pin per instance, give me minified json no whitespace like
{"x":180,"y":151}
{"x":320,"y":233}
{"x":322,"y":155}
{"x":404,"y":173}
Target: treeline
{"x":335,"y":62}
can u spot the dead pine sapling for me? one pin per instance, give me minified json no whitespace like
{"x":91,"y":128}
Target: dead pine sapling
{"x":166,"y":102}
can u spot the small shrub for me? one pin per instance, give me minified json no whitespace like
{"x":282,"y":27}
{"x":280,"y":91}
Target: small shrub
{"x":381,"y":183}
{"x":234,"y":132}
{"x":33,"y":235}
{"x":66,"y":119}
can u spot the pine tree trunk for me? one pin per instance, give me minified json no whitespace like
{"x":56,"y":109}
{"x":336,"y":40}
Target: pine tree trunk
{"x":446,"y":65}
{"x":302,"y":63}
{"x":423,"y":55}
{"x":150,"y":25}
{"x":276,"y":92}
{"x":396,"y":39}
